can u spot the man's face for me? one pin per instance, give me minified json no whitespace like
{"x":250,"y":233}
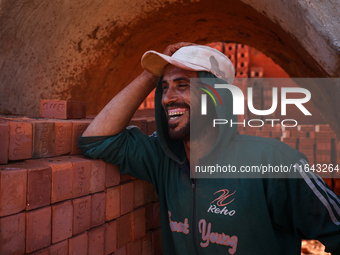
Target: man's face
{"x":176,"y":100}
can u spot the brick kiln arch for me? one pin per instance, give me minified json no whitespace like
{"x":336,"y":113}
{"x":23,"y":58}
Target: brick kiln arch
{"x":89,"y":50}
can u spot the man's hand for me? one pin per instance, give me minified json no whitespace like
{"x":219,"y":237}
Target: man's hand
{"x":116,"y":115}
{"x":171,"y":49}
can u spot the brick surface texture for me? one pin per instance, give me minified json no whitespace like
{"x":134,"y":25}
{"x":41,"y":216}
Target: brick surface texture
{"x":55,"y":201}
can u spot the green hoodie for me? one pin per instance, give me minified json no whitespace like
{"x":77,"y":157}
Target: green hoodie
{"x":240,"y":216}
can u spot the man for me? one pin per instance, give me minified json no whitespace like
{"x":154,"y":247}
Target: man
{"x":210,"y":216}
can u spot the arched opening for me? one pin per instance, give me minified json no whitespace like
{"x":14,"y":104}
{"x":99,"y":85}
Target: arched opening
{"x":92,"y":53}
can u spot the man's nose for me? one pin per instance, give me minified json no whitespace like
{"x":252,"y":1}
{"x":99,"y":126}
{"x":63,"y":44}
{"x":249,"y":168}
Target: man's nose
{"x":170,"y":96}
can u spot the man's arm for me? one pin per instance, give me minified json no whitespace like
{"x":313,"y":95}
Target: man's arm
{"x":117,"y":114}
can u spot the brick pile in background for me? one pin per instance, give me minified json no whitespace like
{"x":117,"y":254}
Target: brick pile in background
{"x":318,"y":142}
{"x":54,"y":201}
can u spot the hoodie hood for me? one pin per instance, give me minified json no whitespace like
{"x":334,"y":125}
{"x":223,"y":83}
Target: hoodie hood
{"x":175,"y":148}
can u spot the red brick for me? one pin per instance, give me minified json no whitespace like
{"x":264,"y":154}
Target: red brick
{"x":81,"y":214}
{"x":149,"y":192}
{"x":112,"y":175}
{"x":275,"y":134}
{"x":112,"y":203}
{"x":124,"y":229}
{"x":290,"y":128}
{"x":262,"y":133}
{"x":311,"y":134}
{"x":13,"y":181}
{"x":248,"y":132}
{"x":294,"y":133}
{"x":110,"y":237}
{"x":20,"y":140}
{"x":97,"y":209}
{"x":78,"y":245}
{"x":96,"y":241}
{"x":269,"y":127}
{"x":38,"y":229}
{"x":97,"y":175}
{"x":308,"y":128}
{"x":253,"y":129}
{"x":62,"y":109}
{"x":81,"y":176}
{"x":323,"y":157}
{"x":307,"y":140}
{"x":120,"y":251}
{"x":328,"y":134}
{"x":43,"y":139}
{"x":138,"y":198}
{"x":126,"y":197}
{"x":147,"y":244}
{"x":62,"y":216}
{"x":63,"y":138}
{"x":152,"y":216}
{"x":59,"y":248}
{"x":78,"y":128}
{"x":306,"y":146}
{"x":156,"y":242}
{"x":125,"y":178}
{"x":138,"y":224}
{"x":289,"y":139}
{"x":323,"y":145}
{"x":323,"y":128}
{"x":12,"y":234}
{"x":134,"y":248}
{"x":61,"y":178}
{"x":4,"y":142}
{"x":38,"y":184}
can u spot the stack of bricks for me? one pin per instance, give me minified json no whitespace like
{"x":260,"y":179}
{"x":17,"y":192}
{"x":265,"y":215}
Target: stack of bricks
{"x":256,"y":72}
{"x":307,"y":141}
{"x":55,"y":201}
{"x":317,"y":142}
{"x":227,"y":49}
{"x":242,"y":61}
{"x":149,"y":102}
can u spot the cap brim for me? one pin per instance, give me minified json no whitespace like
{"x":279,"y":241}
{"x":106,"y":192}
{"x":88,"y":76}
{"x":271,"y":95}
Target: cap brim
{"x":155,"y":63}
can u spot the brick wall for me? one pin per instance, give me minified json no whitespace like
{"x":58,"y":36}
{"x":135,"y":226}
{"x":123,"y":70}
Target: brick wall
{"x":55,"y":201}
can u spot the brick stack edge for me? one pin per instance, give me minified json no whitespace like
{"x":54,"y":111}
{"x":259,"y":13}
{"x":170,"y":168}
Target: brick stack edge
{"x":55,"y":201}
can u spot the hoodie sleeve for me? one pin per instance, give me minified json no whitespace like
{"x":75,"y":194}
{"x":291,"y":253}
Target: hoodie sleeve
{"x":305,"y":208}
{"x":136,"y":154}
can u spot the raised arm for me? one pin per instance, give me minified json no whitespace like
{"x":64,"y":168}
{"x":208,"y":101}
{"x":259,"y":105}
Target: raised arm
{"x":117,"y":114}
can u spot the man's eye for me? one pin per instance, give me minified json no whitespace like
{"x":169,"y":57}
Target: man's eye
{"x":183,"y":85}
{"x":165,"y":87}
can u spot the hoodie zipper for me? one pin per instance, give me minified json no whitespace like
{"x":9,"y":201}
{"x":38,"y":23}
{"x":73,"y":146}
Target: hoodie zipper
{"x":193,"y":185}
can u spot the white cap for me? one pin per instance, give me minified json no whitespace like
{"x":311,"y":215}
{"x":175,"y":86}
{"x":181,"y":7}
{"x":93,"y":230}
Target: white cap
{"x":193,"y":58}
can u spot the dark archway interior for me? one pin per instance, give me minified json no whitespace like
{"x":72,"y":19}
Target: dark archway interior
{"x":229,"y":23}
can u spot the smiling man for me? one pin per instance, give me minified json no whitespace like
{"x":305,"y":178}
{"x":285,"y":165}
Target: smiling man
{"x":210,"y":216}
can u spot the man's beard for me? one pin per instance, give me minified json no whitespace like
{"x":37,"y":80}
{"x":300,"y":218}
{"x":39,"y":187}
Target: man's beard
{"x":182,"y":134}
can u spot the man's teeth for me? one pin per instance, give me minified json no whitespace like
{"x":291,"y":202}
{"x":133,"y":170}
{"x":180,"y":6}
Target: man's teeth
{"x":176,"y":113}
